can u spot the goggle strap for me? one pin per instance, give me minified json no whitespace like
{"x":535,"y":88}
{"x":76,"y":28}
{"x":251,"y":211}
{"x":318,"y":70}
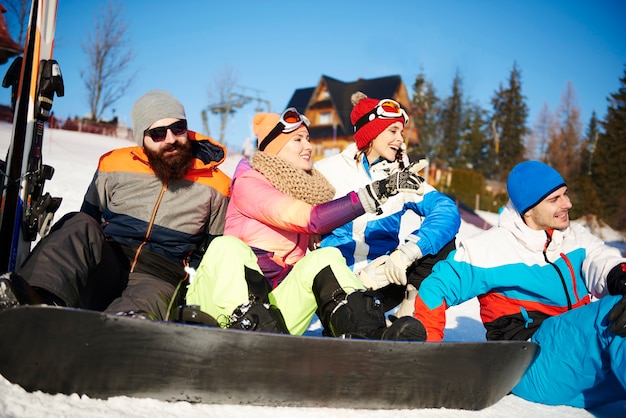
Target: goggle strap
{"x":363,"y":120}
{"x":282,"y":125}
{"x":278,"y":129}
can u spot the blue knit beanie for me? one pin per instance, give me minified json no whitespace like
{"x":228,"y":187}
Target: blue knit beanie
{"x":530,"y":182}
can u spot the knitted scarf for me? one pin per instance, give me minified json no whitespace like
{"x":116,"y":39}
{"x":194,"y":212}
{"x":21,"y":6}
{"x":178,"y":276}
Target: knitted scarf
{"x":311,"y":187}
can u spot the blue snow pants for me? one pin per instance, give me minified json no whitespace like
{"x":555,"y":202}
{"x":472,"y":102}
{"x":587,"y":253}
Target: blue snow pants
{"x":580,"y":362}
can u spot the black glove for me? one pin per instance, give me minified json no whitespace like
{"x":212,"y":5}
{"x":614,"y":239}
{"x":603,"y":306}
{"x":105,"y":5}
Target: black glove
{"x":617,"y":318}
{"x":406,"y":181}
{"x":616,"y":280}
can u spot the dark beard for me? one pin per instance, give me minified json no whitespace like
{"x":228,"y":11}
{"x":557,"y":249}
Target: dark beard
{"x":172,"y":167}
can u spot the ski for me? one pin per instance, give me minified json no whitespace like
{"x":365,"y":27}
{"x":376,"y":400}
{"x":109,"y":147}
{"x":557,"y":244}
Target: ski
{"x":34,"y":79}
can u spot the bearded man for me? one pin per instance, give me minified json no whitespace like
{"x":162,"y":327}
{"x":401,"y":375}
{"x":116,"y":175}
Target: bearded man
{"x":149,"y":212}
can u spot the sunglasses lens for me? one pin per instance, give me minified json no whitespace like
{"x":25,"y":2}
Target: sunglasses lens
{"x":157,"y":134}
{"x":179,"y":128}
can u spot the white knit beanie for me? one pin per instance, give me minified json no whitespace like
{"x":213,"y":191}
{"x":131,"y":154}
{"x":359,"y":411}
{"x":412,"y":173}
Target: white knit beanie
{"x":153,"y":106}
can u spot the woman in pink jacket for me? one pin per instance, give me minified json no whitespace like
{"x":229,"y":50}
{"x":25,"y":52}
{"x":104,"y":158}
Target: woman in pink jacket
{"x":259,"y":276}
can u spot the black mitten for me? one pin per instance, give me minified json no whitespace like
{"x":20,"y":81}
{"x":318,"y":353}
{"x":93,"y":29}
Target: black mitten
{"x":617,"y":318}
{"x":616,"y":280}
{"x":406,"y":181}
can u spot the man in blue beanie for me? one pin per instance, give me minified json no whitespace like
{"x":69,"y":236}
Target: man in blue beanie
{"x":535,"y":275}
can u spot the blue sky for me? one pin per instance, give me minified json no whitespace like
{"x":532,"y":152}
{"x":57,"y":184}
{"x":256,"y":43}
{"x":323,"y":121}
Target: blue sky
{"x":276,"y":47}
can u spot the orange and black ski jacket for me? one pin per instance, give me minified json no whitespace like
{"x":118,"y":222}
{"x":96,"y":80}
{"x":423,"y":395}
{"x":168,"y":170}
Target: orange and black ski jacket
{"x":175,"y":219}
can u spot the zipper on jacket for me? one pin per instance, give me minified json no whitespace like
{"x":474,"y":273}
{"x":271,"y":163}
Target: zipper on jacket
{"x":545,"y":257}
{"x":149,"y":230}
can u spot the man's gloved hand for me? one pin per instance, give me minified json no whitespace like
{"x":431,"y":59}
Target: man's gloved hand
{"x":399,"y":260}
{"x":616,"y":280}
{"x":617,"y":318}
{"x":375,"y":194}
{"x":373,"y":275}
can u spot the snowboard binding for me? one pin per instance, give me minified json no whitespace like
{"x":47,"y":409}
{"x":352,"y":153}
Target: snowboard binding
{"x":258,"y":316}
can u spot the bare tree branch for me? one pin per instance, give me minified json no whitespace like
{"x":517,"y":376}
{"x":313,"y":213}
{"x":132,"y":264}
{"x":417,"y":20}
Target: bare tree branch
{"x":19,"y":9}
{"x":222,"y":95}
{"x":109,"y":55}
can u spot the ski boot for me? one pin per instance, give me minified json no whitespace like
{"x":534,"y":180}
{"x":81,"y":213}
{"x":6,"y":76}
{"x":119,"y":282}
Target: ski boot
{"x":359,"y":314}
{"x":192,"y":315}
{"x":258,"y":316}
{"x":15,"y":291}
{"x":8,"y":299}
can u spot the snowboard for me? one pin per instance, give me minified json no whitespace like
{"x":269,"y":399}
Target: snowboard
{"x":65,"y":350}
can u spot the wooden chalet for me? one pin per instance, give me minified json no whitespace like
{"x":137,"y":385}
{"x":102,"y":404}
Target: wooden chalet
{"x":328,"y":107}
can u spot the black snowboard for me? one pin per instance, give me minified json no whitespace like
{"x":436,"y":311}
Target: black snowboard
{"x":61,"y":350}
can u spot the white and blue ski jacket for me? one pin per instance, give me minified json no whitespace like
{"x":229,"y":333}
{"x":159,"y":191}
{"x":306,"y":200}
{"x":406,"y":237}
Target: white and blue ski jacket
{"x":431,"y":221}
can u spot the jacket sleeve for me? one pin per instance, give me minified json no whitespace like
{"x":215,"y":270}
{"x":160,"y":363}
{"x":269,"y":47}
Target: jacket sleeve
{"x":452,"y":282}
{"x":434,"y":320}
{"x":599,"y":261}
{"x":92,"y":203}
{"x":331,"y":215}
{"x":441,"y":221}
{"x":256,"y":198}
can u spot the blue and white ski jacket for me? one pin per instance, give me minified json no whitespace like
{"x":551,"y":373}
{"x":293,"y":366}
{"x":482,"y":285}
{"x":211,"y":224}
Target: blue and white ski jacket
{"x":430,"y":221}
{"x":521,"y":277}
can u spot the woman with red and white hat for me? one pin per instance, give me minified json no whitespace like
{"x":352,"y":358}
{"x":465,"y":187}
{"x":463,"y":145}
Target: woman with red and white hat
{"x":399,"y":244}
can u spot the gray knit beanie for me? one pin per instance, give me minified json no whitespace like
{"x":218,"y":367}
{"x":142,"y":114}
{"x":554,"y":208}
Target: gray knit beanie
{"x":153,"y":106}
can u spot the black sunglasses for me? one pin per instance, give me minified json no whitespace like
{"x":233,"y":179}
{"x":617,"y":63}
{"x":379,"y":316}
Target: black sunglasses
{"x":160,"y":133}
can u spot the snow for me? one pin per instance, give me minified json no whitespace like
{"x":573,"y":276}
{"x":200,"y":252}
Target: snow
{"x":74,"y":156}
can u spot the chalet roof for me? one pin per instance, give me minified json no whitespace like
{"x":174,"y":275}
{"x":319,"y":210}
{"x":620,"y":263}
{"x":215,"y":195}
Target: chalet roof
{"x":301,"y":98}
{"x":340,"y":93}
{"x":8,"y":47}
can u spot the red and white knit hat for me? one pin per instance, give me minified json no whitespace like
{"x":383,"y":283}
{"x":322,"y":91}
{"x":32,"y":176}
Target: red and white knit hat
{"x":367,"y":132}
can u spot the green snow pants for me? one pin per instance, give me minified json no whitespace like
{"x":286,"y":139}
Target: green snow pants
{"x":219,"y":285}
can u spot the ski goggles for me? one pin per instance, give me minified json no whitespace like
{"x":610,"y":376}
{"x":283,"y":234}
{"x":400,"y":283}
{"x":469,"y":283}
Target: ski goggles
{"x":289,"y":121}
{"x":385,"y":109}
{"x":160,"y":133}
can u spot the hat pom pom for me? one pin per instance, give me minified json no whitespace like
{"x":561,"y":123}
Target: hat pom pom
{"x":357,"y":97}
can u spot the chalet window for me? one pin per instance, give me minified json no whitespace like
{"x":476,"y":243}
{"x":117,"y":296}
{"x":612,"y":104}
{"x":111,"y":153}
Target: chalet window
{"x":326,"y":118}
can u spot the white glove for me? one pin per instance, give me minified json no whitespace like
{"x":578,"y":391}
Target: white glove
{"x":399,"y":260}
{"x":373,"y":275}
{"x":407,"y":306}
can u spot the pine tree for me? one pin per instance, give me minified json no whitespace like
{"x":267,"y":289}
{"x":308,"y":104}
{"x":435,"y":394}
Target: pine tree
{"x":509,"y":125}
{"x":451,"y":123}
{"x":589,"y":144}
{"x":424,"y":112}
{"x":609,"y":160}
{"x":473,"y":147}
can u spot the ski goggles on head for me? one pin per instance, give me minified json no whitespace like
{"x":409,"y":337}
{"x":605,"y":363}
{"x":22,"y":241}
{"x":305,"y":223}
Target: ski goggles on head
{"x":385,"y":109}
{"x":160,"y":133}
{"x":289,"y":121}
